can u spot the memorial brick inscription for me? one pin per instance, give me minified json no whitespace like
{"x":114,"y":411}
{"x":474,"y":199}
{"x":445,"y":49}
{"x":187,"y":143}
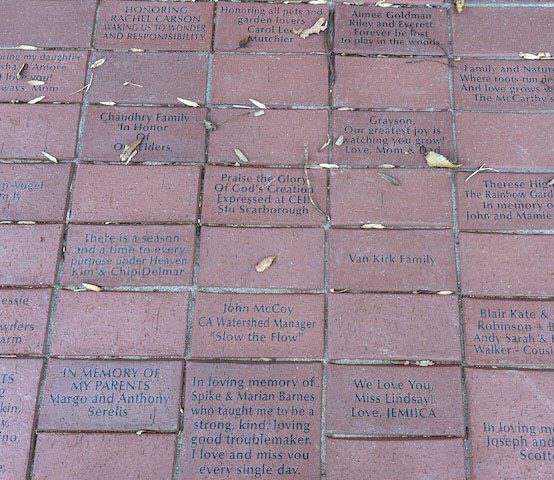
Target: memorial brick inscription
{"x":154,"y":25}
{"x":385,"y":400}
{"x":241,"y":325}
{"x":510,"y":423}
{"x":398,"y":138}
{"x":392,"y":260}
{"x":111,"y":395}
{"x":509,"y":332}
{"x":399,"y":31}
{"x":19,"y":381}
{"x":264,"y":196}
{"x":34,"y":192}
{"x":56,"y":74}
{"x":161,"y":130}
{"x":129,"y":255}
{"x":252,"y":421}
{"x":23,"y":319}
{"x":506,"y":201}
{"x":259,"y":27}
{"x":504,"y":85}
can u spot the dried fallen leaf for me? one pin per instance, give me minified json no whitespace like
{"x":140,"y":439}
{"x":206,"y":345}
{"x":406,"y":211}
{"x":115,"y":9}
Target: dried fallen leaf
{"x":131,"y":84}
{"x":382,"y":3}
{"x":325,"y":145}
{"x":26,"y":47}
{"x":98,"y":63}
{"x":130,"y":150}
{"x":52,"y":158}
{"x":388,"y":178}
{"x":241,"y":156}
{"x":424,"y":363}
{"x":339,"y":141}
{"x":36,"y":100}
{"x":317,"y":2}
{"x":136,"y":49}
{"x":107,"y":104}
{"x":369,"y":226}
{"x":386,"y":165}
{"x":259,"y":113}
{"x":538,"y":56}
{"x":188,"y":103}
{"x":551,"y":183}
{"x":21,"y":69}
{"x":265,"y":263}
{"x":317,"y":27}
{"x":482,"y":168}
{"x":328,"y":165}
{"x":211,"y":127}
{"x":459,"y":4}
{"x":343,"y":109}
{"x":436,"y":160}
{"x":35,"y":83}
{"x":91,"y":287}
{"x":26,"y":222}
{"x":245,"y":41}
{"x":445,"y":292}
{"x":86,"y":87}
{"x":258,"y":104}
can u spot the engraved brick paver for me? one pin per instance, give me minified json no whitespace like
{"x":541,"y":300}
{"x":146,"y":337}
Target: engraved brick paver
{"x":276,"y":285}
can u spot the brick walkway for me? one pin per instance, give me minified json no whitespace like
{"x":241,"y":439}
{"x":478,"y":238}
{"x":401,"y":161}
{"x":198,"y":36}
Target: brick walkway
{"x":273,"y":284}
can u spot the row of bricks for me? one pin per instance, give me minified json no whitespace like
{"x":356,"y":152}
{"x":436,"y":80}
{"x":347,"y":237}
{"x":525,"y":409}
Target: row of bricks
{"x":359,"y":260}
{"x":262,"y":27}
{"x":239,"y":325}
{"x":277,"y":80}
{"x":275,"y":197}
{"x":360,"y":400}
{"x":279,"y":137}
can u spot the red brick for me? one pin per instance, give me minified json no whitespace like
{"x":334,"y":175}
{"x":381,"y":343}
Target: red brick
{"x":502,"y":85}
{"x":509,"y":405}
{"x":501,"y":31}
{"x":184,"y":75}
{"x":266,"y":196}
{"x":270,"y":28}
{"x":391,"y":460}
{"x":41,"y":24}
{"x":239,"y":325}
{"x":391,"y":83}
{"x":422,"y":197}
{"x":503,"y":264}
{"x":108,"y":129}
{"x":509,"y":332}
{"x":400,"y":31}
{"x":349,"y":250}
{"x":94,"y":255}
{"x":400,"y":138}
{"x":154,"y":25}
{"x":228,"y":257}
{"x":402,"y":2}
{"x":120,"y":323}
{"x":34,"y":192}
{"x":63,"y":73}
{"x":505,"y":201}
{"x":27,"y":130}
{"x":275,"y":80}
{"x":124,"y":456}
{"x":135,"y":193}
{"x":394,"y":327}
{"x":29,"y":254}
{"x":23,"y":319}
{"x":19,"y":380}
{"x":112,"y":395}
{"x":505,"y":140}
{"x":366,"y":400}
{"x":274,"y":403}
{"x":275,"y":138}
